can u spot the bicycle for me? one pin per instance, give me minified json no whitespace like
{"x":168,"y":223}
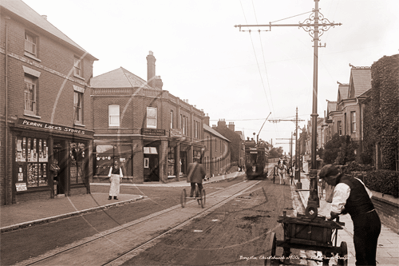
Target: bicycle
{"x":201,"y":198}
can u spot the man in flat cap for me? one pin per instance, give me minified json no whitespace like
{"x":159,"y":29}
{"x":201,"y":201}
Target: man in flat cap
{"x":353,"y":197}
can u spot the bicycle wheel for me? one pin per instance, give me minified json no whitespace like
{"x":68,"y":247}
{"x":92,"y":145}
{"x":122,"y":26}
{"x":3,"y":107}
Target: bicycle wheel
{"x":203,"y":198}
{"x":183,"y":198}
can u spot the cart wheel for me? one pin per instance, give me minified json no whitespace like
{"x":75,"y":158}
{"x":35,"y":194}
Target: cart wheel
{"x":311,"y":211}
{"x":183,"y":198}
{"x":203,"y":198}
{"x":343,"y":254}
{"x":271,"y":250}
{"x":326,"y":258}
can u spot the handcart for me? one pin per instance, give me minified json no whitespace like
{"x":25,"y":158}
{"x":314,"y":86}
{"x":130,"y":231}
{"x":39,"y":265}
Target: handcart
{"x":201,"y":198}
{"x":308,"y":232}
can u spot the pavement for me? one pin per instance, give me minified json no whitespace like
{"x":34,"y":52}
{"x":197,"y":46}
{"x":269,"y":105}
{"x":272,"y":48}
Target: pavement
{"x":26,"y":214}
{"x":388,"y":241}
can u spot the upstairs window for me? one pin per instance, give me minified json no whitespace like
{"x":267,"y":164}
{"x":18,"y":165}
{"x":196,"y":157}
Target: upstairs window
{"x":151,"y":117}
{"x":113,"y":116}
{"x":77,"y":66}
{"x":77,"y":107}
{"x":171,"y":118}
{"x":353,"y":122}
{"x":30,"y":92}
{"x":31,"y":44}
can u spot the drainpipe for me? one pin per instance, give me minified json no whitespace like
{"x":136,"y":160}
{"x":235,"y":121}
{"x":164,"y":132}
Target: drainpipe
{"x":6,"y":117}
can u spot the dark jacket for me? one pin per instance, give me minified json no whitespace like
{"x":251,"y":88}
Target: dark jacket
{"x":196,"y":172}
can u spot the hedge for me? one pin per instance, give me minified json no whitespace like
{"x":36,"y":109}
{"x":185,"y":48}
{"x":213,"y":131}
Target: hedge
{"x":384,"y":181}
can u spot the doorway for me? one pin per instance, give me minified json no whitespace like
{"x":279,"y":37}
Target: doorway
{"x":60,"y":153}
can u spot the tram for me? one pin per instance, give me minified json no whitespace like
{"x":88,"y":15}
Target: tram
{"x":255,"y":159}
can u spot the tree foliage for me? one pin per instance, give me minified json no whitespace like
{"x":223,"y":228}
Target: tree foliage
{"x":340,"y":150}
{"x":276,"y":152}
{"x":381,"y":120}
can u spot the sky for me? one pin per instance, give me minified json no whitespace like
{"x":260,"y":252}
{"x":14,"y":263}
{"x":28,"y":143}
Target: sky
{"x":241,"y":77}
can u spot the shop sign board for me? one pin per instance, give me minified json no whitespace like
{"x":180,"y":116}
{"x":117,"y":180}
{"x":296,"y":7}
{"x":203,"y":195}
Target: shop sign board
{"x":48,"y":126}
{"x":176,"y":133}
{"x":152,"y":132}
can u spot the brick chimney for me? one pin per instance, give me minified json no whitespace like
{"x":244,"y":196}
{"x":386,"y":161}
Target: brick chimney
{"x":158,"y":82}
{"x":231,"y":126}
{"x":221,"y":123}
{"x":151,"y":69}
{"x":206,"y":120}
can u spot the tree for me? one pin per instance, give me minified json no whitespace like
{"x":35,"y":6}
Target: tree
{"x":340,"y":149}
{"x":276,"y":152}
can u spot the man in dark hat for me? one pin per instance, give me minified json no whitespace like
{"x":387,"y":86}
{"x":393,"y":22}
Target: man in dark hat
{"x":353,"y":197}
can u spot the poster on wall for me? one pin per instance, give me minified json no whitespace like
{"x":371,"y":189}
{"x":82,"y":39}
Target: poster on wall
{"x":20,"y":174}
{"x":34,"y":151}
{"x":24,"y":149}
{"x":40,"y":151}
{"x":146,"y":162}
{"x":20,"y":186}
{"x":29,"y":151}
{"x":18,"y":150}
{"x":45,"y":151}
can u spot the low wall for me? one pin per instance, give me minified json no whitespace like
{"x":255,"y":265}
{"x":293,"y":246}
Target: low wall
{"x":387,"y":208}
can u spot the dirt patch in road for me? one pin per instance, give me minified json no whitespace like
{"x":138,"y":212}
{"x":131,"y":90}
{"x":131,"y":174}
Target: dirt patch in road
{"x":235,"y":234}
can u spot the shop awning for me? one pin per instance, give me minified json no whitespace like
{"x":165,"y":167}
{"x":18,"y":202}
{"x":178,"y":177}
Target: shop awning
{"x":150,"y":150}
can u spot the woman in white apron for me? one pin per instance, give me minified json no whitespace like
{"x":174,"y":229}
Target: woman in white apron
{"x":115,"y":176}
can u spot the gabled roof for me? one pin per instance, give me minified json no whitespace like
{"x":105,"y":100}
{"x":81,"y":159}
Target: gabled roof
{"x":331,"y":106}
{"x":22,"y":10}
{"x":214,"y":132}
{"x":342,"y":92}
{"x":365,"y":94}
{"x":118,"y":78}
{"x":360,"y":81}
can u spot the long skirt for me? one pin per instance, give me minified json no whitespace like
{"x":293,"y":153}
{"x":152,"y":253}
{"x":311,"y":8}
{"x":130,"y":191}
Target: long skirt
{"x":115,"y":185}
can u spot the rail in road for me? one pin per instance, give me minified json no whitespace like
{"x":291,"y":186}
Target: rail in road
{"x":117,"y":245}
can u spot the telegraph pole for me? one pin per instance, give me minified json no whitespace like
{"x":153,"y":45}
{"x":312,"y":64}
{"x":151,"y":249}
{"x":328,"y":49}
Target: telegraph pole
{"x":297,"y":172}
{"x":315,"y":25}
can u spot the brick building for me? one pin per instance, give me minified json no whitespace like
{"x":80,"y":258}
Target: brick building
{"x":217,"y":156}
{"x":45,"y":109}
{"x":153,"y":133}
{"x":237,"y":141}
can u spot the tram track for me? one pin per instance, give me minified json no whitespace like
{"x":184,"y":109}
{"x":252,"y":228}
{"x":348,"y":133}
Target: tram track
{"x":101,"y":247}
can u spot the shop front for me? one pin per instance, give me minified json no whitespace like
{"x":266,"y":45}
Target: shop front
{"x":106,"y":154}
{"x":36,"y":146}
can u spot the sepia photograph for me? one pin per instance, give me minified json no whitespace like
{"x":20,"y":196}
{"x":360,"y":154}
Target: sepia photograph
{"x":187,"y":132}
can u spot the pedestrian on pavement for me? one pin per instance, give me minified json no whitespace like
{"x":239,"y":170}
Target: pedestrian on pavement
{"x":282,"y":169}
{"x":352,"y":196}
{"x":196,"y":173}
{"x":115,"y":176}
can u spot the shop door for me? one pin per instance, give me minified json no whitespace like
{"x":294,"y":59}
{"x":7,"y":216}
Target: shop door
{"x":154,"y":168}
{"x":61,"y":155}
{"x":183,"y":159}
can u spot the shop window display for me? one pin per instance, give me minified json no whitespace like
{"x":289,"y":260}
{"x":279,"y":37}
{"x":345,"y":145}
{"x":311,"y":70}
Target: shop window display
{"x":171,"y":161}
{"x":77,"y":155}
{"x":31,"y":157}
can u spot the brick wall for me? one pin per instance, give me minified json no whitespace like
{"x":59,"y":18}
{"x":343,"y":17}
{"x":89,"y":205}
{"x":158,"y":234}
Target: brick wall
{"x":54,"y":61}
{"x":388,"y":212}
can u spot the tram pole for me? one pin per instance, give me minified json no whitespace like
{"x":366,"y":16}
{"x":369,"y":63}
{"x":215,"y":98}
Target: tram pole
{"x":316,"y":24}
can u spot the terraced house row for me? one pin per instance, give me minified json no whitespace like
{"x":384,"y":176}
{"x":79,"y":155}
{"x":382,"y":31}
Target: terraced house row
{"x":53,"y":109}
{"x":352,"y":112}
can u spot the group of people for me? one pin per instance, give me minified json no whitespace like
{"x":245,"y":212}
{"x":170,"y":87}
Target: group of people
{"x":196,"y":175}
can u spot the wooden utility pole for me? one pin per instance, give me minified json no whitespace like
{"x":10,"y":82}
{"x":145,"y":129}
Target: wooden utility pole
{"x":297,"y":172}
{"x":315,"y":25}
